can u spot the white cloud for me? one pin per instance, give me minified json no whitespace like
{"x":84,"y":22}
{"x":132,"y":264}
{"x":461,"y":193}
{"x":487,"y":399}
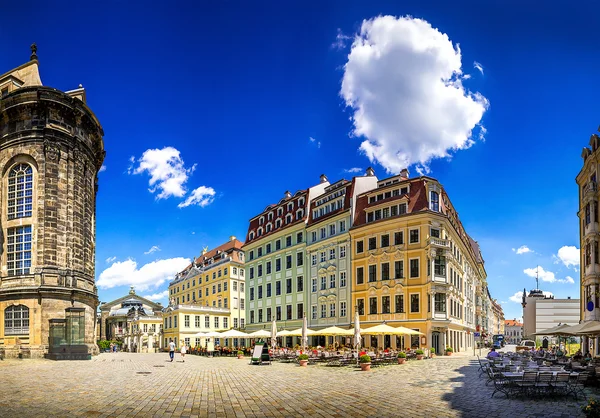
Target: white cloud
{"x":546,"y":276}
{"x":158,"y":296}
{"x":340,"y":40}
{"x":522,"y":249}
{"x":167,"y":171}
{"x":353,"y":170}
{"x":478,"y":66}
{"x":403,"y":80}
{"x":102,"y":168}
{"x":517,"y":297}
{"x":149,"y":276}
{"x":110,"y":259}
{"x":314,"y":141}
{"x":152,"y":249}
{"x":201,"y":196}
{"x":568,"y":255}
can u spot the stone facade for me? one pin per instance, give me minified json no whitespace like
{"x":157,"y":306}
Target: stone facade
{"x":59,"y":139}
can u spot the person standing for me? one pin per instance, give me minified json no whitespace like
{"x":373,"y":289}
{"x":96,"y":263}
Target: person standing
{"x":172,"y":350}
{"x":183,"y":351}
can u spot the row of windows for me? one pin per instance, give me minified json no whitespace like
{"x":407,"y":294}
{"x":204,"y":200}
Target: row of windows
{"x":386,"y":195}
{"x":385,"y":213}
{"x":330,"y":282}
{"x":289,"y":218}
{"x":591,"y":209}
{"x":385,"y":307}
{"x":268,"y":288}
{"x":171,"y":321}
{"x":326,"y":209}
{"x":588,"y":253}
{"x":328,"y":255}
{"x":398,"y":272}
{"x":215,"y":275}
{"x":257,"y":316}
{"x":268,"y":249}
{"x":289,"y":206}
{"x":328,"y":231}
{"x":268,"y":265}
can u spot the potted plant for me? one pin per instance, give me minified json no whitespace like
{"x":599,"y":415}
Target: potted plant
{"x":401,"y":357}
{"x":592,"y":409}
{"x":419,"y":354}
{"x":240,"y":354}
{"x":449,"y":351}
{"x":365,"y":362}
{"x":303,"y":359}
{"x":432,"y":351}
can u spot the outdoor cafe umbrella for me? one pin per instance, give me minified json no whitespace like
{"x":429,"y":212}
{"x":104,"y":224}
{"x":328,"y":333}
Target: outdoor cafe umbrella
{"x":304,"y":333}
{"x":553,"y":330}
{"x":261,"y":333}
{"x":274,"y":334}
{"x":384,"y":329}
{"x":233,"y":333}
{"x":409,"y":331}
{"x":579,"y":329}
{"x":334,"y":331}
{"x":298,"y":332}
{"x":284,"y":333}
{"x":357,"y":337}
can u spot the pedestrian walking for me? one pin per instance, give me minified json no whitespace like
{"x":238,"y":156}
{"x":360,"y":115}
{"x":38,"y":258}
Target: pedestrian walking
{"x":111,"y":347}
{"x":172,"y":350}
{"x":183,"y":351}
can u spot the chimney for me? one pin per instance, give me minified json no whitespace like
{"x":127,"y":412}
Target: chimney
{"x":287,"y":194}
{"x":404,"y":174}
{"x":323,"y":178}
{"x":370,"y":172}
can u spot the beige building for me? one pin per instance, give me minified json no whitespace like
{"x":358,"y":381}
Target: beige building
{"x":208,"y":295}
{"x":513,"y":331}
{"x":52,"y":151}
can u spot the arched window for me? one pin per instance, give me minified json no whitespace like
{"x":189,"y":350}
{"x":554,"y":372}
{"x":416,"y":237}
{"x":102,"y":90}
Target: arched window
{"x":288,"y":218}
{"x":277,"y":223}
{"x":20,"y":191}
{"x":16,"y":320}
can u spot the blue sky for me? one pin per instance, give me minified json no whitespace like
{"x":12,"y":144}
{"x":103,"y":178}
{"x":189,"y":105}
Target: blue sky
{"x":223,"y":98}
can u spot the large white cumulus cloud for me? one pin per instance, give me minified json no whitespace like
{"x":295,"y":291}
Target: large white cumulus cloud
{"x":403,"y":80}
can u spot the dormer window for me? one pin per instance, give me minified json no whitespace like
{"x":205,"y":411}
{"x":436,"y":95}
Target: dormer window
{"x":259,"y":232}
{"x":268,"y":228}
{"x":278,"y":223}
{"x":301,"y":201}
{"x":290,"y":206}
{"x":251,"y":236}
{"x":279,"y":211}
{"x":288,"y":218}
{"x":299,"y":214}
{"x":270,"y":216}
{"x":434,"y":203}
{"x":261,"y":220}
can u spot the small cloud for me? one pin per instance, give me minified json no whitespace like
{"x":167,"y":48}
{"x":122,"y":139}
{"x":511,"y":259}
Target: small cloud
{"x":352,"y":170}
{"x":110,"y":259}
{"x":568,"y":255}
{"x":202,"y":196}
{"x":546,"y":276}
{"x":314,"y":141}
{"x":193,"y":232}
{"x":166,"y":169}
{"x":148,"y":276}
{"x":478,"y":66}
{"x":341,"y":40}
{"x":158,"y":296}
{"x":153,"y":249}
{"x":517,"y":297}
{"x":102,"y":168}
{"x":523,"y":249}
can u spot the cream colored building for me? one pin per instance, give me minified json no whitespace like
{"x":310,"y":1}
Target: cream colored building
{"x":208,"y":295}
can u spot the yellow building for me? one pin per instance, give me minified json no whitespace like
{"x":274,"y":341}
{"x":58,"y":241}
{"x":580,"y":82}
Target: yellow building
{"x":413,"y":265}
{"x":207,"y":295}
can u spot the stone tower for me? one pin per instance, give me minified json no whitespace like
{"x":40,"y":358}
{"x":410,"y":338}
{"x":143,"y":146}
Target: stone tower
{"x":51,"y":149}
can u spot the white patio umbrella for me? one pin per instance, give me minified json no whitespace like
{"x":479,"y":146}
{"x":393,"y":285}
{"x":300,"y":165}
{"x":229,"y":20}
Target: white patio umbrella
{"x":274,"y":334}
{"x":284,"y":333}
{"x":298,"y":332}
{"x":233,"y":333}
{"x":334,"y":331}
{"x":261,"y":333}
{"x":385,"y":329}
{"x":357,"y":336}
{"x":304,"y":333}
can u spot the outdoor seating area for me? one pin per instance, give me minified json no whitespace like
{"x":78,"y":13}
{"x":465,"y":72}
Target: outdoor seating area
{"x":341,"y":358}
{"x":523,"y":375}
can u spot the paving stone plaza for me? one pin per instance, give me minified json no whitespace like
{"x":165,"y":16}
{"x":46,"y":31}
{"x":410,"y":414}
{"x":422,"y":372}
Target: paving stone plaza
{"x":144,"y":385}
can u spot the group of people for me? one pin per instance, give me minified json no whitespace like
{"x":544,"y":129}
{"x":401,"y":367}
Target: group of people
{"x":182,"y":350}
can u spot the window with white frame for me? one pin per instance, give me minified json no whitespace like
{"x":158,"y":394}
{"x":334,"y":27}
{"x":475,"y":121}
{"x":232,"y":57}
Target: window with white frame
{"x":322,"y":256}
{"x":314,"y":284}
{"x":16,"y":320}
{"x":323,"y":282}
{"x":323,"y":233}
{"x":314,"y":236}
{"x":342,"y":279}
{"x":313,"y":259}
{"x":216,"y":322}
{"x":435,"y":202}
{"x":342,"y":251}
{"x":197,"y":321}
{"x":331,"y":281}
{"x":18,"y":250}
{"x":342,"y":309}
{"x":342,"y":226}
{"x":331,"y":230}
{"x":20,"y":191}
{"x":314,"y":312}
{"x":332,"y":310}
{"x":332,"y":253}
{"x":323,"y":311}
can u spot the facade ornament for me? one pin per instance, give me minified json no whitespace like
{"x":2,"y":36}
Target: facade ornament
{"x":51,"y":151}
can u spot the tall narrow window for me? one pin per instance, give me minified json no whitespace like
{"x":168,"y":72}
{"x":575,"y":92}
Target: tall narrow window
{"x":20,"y":191}
{"x":18,"y":250}
{"x":435,"y":202}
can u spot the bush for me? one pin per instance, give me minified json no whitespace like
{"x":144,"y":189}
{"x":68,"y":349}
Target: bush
{"x":419,"y":352}
{"x":365,"y":358}
{"x":240,"y":353}
{"x":432,"y":350}
{"x":449,"y":349}
{"x":592,"y":409}
{"x":104,"y":344}
{"x":401,"y":354}
{"x":303,"y":357}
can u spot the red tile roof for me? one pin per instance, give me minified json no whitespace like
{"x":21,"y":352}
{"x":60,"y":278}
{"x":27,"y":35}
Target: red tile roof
{"x":512,"y":323}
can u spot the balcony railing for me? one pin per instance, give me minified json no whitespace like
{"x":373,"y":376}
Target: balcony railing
{"x":590,"y":188}
{"x":438,"y":242}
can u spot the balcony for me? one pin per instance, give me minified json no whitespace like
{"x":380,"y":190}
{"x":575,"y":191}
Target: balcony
{"x":439,"y":243}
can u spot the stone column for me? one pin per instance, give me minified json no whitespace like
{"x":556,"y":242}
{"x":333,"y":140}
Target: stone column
{"x":150,"y":343}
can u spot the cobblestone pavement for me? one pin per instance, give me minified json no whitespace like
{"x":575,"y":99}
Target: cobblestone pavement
{"x":144,"y":385}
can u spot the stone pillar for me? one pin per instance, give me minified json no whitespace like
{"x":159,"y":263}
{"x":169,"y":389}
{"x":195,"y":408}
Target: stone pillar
{"x":150,"y":343}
